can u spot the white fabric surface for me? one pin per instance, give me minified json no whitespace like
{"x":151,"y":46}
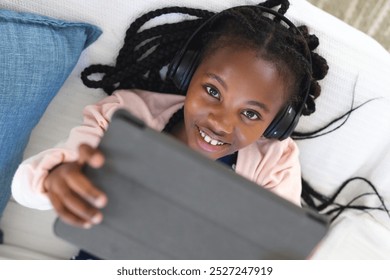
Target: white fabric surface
{"x":359,"y":69}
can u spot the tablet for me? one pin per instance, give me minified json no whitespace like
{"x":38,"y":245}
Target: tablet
{"x":166,"y":201}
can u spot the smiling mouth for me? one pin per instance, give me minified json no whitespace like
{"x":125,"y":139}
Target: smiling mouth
{"x":210,"y":140}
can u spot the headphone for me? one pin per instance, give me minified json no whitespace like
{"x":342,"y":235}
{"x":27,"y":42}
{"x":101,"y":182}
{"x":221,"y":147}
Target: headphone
{"x":186,"y":61}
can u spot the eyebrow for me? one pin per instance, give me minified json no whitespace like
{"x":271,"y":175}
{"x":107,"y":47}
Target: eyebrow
{"x":224,"y":85}
{"x":218,"y":79}
{"x":259,"y":104}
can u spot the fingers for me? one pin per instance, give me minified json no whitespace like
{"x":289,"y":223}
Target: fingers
{"x":67,"y":215}
{"x":73,"y":208}
{"x":81,"y":184}
{"x":83,"y":187}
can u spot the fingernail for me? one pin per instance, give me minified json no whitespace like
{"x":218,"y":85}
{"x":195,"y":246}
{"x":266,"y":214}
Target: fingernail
{"x":87,"y":225}
{"x":97,"y":219}
{"x":96,"y":161}
{"x":100,"y":202}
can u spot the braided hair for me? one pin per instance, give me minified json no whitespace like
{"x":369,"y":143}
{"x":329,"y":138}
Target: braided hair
{"x":146,"y":52}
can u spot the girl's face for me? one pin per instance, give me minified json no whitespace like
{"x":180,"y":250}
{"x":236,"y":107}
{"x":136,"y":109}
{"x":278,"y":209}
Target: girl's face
{"x":232,"y":98}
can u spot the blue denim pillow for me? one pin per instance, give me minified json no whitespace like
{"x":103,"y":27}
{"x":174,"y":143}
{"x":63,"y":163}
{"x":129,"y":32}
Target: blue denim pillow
{"x":37,"y":54}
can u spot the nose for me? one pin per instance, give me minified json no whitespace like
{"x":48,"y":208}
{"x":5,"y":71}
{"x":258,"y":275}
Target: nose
{"x":221,"y":123}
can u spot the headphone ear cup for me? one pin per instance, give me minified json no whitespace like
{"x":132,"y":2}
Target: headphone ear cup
{"x":182,"y":68}
{"x":283,"y":124}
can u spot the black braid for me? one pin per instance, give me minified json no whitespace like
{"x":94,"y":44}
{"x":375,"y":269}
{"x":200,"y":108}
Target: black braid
{"x":284,"y":5}
{"x":321,"y":203}
{"x":145,"y":52}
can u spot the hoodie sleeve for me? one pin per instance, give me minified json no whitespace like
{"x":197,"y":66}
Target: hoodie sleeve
{"x":27,"y":185}
{"x":273,"y":165}
{"x":153,"y":108}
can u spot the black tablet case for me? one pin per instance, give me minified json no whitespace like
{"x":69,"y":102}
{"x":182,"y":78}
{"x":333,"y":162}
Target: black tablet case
{"x":169,"y":202}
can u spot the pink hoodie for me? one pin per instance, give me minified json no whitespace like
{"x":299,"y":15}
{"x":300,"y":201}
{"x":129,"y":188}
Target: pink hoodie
{"x":272,"y":164}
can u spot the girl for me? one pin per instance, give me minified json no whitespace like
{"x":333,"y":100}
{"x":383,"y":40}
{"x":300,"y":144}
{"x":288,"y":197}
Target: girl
{"x":248,"y":71}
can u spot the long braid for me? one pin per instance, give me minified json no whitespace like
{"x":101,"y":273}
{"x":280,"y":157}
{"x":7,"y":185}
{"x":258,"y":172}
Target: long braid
{"x":322,"y":203}
{"x":145,"y":52}
{"x":319,"y":65}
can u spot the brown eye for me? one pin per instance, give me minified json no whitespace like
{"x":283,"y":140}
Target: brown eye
{"x":251,"y":115}
{"x":213,"y":92}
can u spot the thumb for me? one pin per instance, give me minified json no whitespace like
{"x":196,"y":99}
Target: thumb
{"x":90,"y":155}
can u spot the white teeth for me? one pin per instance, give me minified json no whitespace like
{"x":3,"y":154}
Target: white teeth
{"x":209,"y":140}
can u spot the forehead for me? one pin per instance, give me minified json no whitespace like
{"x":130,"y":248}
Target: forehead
{"x":244,"y":70}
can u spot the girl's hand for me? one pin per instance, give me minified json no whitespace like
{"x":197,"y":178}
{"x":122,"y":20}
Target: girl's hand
{"x":76,"y":200}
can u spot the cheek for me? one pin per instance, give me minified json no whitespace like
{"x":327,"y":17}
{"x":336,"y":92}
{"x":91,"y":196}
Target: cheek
{"x":190,"y":109}
{"x":249,"y":135}
{"x":193,"y":105}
